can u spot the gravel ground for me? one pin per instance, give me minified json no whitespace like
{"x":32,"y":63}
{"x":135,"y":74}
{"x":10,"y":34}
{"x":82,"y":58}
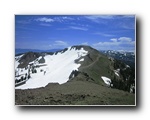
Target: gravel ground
{"x":74,"y":93}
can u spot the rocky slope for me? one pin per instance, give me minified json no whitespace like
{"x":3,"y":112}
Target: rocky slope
{"x":85,"y":76}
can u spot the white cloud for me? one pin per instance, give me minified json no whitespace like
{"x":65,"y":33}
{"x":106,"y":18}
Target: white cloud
{"x":104,"y":44}
{"x":63,"y":19}
{"x":95,"y":17}
{"x":67,"y":18}
{"x":122,"y":43}
{"x":114,"y":39}
{"x":60,"y":43}
{"x":125,"y":39}
{"x":78,"y":28}
{"x":75,"y":27}
{"x":54,"y":19}
{"x":104,"y":34}
{"x":108,"y":17}
{"x":57,"y":44}
{"x":99,"y":18}
{"x":44,"y":19}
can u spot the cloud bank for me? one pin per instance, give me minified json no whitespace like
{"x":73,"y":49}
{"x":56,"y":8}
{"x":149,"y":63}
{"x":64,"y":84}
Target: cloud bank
{"x":122,"y":43}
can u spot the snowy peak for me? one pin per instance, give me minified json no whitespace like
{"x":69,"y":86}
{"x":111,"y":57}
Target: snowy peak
{"x":37,"y":70}
{"x":126,"y":57}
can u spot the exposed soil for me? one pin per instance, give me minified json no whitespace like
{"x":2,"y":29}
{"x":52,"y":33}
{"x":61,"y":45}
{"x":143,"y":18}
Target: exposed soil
{"x":75,"y":92}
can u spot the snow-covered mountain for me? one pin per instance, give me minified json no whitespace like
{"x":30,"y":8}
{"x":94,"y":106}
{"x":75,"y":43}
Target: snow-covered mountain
{"x":45,"y":68}
{"x":76,"y":63}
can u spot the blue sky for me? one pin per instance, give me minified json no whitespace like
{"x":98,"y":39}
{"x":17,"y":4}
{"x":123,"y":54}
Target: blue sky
{"x":103,"y":32}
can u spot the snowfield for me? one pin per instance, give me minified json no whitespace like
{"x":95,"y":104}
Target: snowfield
{"x":106,"y":80}
{"x":81,"y":60}
{"x":56,"y":68}
{"x":117,"y":72}
{"x":16,"y":61}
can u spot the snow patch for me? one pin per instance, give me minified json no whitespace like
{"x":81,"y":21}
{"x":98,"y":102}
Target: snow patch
{"x":16,"y":64}
{"x":81,"y":60}
{"x":17,"y":58}
{"x":106,"y":80}
{"x":56,"y":68}
{"x":117,"y":72}
{"x":127,"y":66}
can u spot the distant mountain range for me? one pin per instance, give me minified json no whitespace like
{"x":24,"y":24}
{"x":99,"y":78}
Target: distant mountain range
{"x":124,"y":56}
{"x":18,"y":50}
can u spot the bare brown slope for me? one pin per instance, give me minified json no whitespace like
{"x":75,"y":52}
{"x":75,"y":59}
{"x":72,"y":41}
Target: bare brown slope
{"x":74,"y":93}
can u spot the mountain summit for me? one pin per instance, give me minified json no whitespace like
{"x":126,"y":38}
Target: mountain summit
{"x":73,"y":63}
{"x":73,"y":68}
{"x":44,"y":68}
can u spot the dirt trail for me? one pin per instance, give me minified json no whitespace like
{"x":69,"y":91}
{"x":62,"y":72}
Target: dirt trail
{"x":83,"y":67}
